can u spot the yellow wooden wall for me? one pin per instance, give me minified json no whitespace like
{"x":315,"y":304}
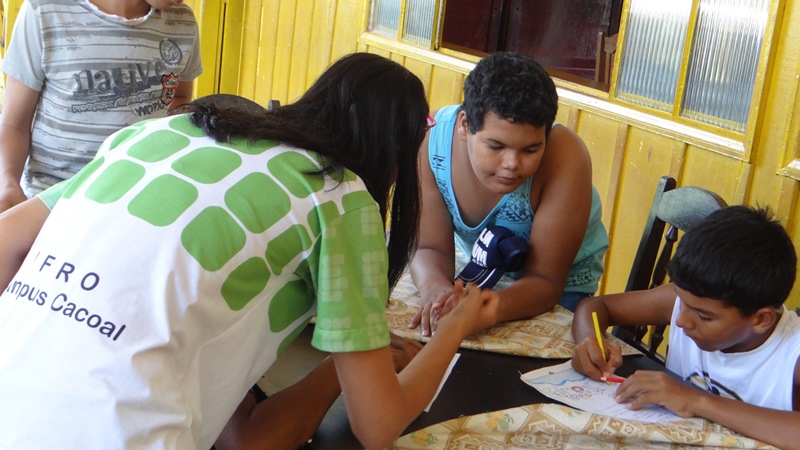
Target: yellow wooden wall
{"x":274,"y":49}
{"x":287,"y":44}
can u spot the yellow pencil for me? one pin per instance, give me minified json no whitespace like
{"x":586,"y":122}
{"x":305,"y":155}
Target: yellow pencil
{"x":598,"y":333}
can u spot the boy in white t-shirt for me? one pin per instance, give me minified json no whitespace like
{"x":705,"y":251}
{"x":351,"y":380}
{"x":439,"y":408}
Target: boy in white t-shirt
{"x":730,"y":333}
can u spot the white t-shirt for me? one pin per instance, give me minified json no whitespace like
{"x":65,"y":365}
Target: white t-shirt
{"x":170,"y":274}
{"x":763,"y":376}
{"x":96,"y":73}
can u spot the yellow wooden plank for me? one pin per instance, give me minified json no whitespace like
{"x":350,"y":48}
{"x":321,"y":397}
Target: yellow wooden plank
{"x":422,"y":70}
{"x":379,"y":51}
{"x":612,"y":193}
{"x":319,"y":56}
{"x":251,"y":24}
{"x":231,"y":60}
{"x":203,"y":84}
{"x":572,"y":119}
{"x":646,"y":159}
{"x":606,"y":149}
{"x":446,"y":88}
{"x":720,"y":180}
{"x":284,"y":52}
{"x":210,"y":23}
{"x":267,"y":41}
{"x":347,"y":28}
{"x":793,"y":227}
{"x":301,"y":47}
{"x":562,"y":115}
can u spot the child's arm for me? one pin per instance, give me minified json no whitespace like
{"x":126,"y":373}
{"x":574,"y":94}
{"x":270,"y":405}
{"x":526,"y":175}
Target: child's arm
{"x":183,"y":94}
{"x":289,"y":418}
{"x":647,"y":307}
{"x":285,"y":420}
{"x":19,"y":227}
{"x":778,"y":428}
{"x":15,"y":139}
{"x":368,"y":376}
{"x":433,"y":265}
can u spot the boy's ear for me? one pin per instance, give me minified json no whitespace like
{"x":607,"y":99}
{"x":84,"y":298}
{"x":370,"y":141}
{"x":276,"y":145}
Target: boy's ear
{"x":462,"y":129}
{"x":764,"y":319}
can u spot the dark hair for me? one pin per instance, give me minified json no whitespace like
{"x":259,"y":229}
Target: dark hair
{"x":514,"y":87}
{"x":739,"y":255}
{"x":365,"y":113}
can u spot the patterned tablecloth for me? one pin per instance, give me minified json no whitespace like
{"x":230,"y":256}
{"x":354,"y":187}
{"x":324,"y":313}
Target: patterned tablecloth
{"x":545,"y":426}
{"x":552,"y":426}
{"x":545,"y":336}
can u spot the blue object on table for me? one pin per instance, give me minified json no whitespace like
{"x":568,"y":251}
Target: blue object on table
{"x":496,"y":251}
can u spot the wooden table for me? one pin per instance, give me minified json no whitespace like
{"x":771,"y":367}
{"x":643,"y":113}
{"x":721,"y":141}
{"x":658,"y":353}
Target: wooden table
{"x":480,"y":382}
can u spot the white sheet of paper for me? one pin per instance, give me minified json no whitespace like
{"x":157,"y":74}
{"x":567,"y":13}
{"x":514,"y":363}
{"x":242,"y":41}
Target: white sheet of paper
{"x":561,"y":382}
{"x":444,"y":378}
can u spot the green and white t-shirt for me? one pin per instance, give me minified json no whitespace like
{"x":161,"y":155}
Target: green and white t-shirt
{"x":170,"y":274}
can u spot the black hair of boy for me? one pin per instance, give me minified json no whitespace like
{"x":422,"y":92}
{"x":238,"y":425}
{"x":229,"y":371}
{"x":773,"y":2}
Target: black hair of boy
{"x":739,"y":255}
{"x":514,"y":87}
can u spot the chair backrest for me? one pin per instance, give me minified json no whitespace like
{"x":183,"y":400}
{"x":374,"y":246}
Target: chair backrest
{"x":673,"y":209}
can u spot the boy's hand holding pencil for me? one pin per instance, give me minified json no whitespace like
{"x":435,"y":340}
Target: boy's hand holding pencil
{"x":596,"y":357}
{"x":608,"y":369}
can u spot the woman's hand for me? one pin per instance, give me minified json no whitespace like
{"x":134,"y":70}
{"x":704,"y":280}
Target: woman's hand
{"x":470,"y":308}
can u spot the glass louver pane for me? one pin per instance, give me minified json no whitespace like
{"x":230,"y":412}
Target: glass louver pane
{"x":650,"y":60}
{"x":385,"y":17}
{"x":723,"y":62}
{"x":419,"y":21}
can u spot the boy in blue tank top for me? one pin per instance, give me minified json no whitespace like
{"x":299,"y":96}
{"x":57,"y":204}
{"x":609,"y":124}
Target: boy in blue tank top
{"x":500,"y":160}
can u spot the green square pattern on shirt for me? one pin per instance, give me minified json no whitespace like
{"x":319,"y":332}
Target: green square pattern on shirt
{"x":352,"y":287}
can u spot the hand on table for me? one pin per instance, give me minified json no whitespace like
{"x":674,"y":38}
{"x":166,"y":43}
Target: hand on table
{"x":587,"y":358}
{"x":652,"y":387}
{"x":429,"y":304}
{"x":441,"y":309}
{"x":469,"y":307}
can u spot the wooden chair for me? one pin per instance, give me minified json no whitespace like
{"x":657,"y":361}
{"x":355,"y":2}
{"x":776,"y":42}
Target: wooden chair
{"x":679,"y":208}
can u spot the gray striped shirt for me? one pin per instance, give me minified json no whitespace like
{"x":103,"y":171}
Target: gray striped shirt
{"x":96,"y":73}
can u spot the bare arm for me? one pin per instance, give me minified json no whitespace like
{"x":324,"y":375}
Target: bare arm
{"x":285,"y":420}
{"x":289,"y":418}
{"x":19,"y":227}
{"x":647,"y":307}
{"x":367,"y":377}
{"x":432,"y":267}
{"x":778,"y":428}
{"x":15,"y":139}
{"x":183,"y":94}
{"x":562,"y":198}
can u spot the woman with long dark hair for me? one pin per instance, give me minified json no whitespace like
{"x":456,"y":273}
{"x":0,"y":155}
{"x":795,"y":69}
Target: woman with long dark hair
{"x":147,"y":294}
